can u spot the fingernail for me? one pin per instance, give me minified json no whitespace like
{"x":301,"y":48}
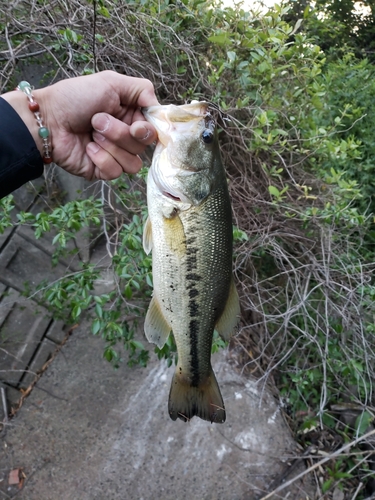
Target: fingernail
{"x":142,"y":133}
{"x":93,"y":148}
{"x":98,"y":137}
{"x":100,"y":122}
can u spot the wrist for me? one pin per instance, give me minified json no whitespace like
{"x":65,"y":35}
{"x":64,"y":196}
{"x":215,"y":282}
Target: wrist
{"x":29,"y":106}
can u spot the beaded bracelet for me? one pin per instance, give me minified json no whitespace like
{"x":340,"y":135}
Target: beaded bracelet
{"x":43,"y":131}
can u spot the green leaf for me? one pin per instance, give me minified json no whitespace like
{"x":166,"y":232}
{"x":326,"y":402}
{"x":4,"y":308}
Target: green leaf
{"x":222,"y":39}
{"x":128,"y":292}
{"x":104,"y":12}
{"x":99,"y":310}
{"x":264,"y":66}
{"x":76,"y":311}
{"x":362,"y":423}
{"x":109,"y":354}
{"x":70,"y":35}
{"x":326,"y":485}
{"x":96,"y":326}
{"x":274,"y":191}
{"x":296,"y":26}
{"x":136,"y":284}
{"x":138,"y":345}
{"x":239,"y":235}
{"x":55,"y":239}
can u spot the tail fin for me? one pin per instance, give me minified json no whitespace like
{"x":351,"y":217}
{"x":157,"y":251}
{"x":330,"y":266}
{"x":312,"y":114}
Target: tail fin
{"x":204,"y":401}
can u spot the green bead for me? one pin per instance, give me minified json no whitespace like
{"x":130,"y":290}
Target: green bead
{"x":43,"y":132}
{"x":23,"y":85}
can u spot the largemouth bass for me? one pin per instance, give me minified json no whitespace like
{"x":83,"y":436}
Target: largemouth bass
{"x":189,"y":231}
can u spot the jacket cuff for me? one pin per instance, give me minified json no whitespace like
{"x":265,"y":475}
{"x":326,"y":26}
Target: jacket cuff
{"x":20,"y":159}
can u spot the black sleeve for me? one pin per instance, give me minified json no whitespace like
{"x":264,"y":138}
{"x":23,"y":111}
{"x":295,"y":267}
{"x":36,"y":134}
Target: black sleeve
{"x":20,"y":159}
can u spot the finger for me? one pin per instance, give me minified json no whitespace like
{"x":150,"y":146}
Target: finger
{"x":139,"y":92}
{"x":132,"y":138}
{"x":147,"y":95}
{"x":143,"y":132}
{"x":133,"y":115}
{"x":106,"y":167}
{"x":112,"y":160}
{"x":130,"y":163}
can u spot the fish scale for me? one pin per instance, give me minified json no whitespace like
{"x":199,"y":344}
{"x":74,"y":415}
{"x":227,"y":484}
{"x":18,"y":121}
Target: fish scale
{"x":205,"y":270}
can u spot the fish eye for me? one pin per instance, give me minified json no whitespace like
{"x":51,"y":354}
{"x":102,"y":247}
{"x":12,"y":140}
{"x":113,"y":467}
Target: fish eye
{"x":207,"y":136}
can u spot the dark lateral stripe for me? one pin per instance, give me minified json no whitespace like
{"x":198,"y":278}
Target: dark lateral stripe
{"x":193,"y":277}
{"x":191,"y":259}
{"x":191,"y":251}
{"x":191,"y":239}
{"x":194,"y":361}
{"x":193,"y":292}
{"x":193,"y":308}
{"x":191,"y":263}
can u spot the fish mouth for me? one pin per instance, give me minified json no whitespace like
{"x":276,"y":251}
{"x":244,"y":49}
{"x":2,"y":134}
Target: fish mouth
{"x":171,"y":196}
{"x":173,"y":113}
{"x":172,"y":120}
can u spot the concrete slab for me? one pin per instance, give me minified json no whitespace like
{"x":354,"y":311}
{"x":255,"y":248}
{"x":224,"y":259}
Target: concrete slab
{"x":4,"y":237}
{"x":7,"y":303}
{"x":26,"y":332}
{"x":41,"y":355}
{"x":88,"y":432}
{"x":23,"y":324}
{"x":56,"y":331}
{"x":22,"y":262}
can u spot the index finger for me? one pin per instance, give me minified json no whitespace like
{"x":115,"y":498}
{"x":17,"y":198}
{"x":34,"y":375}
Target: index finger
{"x":137,"y":92}
{"x":147,"y":95}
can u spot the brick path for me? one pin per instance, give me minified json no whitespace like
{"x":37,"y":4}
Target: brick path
{"x":28,"y":333}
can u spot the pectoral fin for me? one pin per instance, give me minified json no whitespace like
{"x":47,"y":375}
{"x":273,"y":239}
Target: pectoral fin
{"x":156,"y":327}
{"x":147,"y":236}
{"x":231,"y":314}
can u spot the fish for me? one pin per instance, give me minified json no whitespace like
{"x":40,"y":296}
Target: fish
{"x":189,"y":232}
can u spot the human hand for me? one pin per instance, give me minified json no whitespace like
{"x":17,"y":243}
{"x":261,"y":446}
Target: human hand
{"x":97,"y":128}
